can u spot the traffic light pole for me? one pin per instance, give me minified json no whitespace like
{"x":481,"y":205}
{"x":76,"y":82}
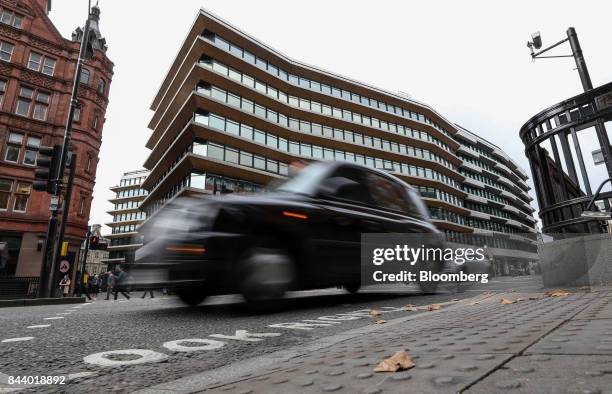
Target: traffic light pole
{"x":84,"y":260}
{"x":47,"y":265}
{"x":66,"y":205}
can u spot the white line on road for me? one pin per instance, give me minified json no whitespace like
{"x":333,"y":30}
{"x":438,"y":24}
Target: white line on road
{"x":53,"y":318}
{"x":208,"y":344}
{"x":40,"y":326}
{"x":145,"y":356}
{"x":17,"y":339}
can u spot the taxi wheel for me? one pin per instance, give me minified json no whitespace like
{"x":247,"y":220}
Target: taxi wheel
{"x":266,"y":273}
{"x":191,"y":296}
{"x":352,"y":287}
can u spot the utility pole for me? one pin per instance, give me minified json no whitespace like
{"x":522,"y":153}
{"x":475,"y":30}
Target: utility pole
{"x":84,"y":260}
{"x":585,"y":79}
{"x":48,"y":263}
{"x":66,"y":206}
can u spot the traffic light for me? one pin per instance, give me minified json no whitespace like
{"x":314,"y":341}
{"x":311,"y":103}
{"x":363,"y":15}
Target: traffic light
{"x":94,"y":242}
{"x":46,"y":167}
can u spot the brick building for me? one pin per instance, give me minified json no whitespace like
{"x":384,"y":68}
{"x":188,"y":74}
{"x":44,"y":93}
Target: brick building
{"x":37,"y":67}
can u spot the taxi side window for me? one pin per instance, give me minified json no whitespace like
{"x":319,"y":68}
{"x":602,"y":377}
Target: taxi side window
{"x":388,"y":194}
{"x":359,"y":192}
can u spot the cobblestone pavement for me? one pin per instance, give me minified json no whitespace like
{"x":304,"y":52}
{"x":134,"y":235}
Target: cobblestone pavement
{"x":538,"y":344}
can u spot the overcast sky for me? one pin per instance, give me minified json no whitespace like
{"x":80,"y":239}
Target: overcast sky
{"x":467,"y":59}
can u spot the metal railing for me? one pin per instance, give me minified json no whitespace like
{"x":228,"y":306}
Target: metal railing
{"x":18,"y":287}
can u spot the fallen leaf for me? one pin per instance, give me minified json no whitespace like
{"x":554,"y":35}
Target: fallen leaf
{"x":474,"y":303}
{"x":375,"y":313}
{"x":380,"y":322}
{"x":506,"y":301}
{"x":433,"y":307}
{"x":557,"y":293}
{"x":410,"y":308}
{"x":398,"y":362}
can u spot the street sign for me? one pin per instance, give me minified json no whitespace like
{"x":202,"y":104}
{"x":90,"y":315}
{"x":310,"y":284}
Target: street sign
{"x":64,"y":266}
{"x":54,"y":203}
{"x":64,"y":251}
{"x":604,"y":101}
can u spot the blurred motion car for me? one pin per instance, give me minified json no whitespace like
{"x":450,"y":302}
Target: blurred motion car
{"x":303,"y":234}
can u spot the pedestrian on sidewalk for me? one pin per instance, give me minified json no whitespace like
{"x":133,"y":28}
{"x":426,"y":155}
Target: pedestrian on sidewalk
{"x":110,"y":284}
{"x":94,"y":286}
{"x":85,"y":285}
{"x":120,"y":282}
{"x":65,"y":285}
{"x":144,"y":295}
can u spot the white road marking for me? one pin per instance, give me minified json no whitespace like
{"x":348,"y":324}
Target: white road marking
{"x":145,"y":356}
{"x":208,"y":344}
{"x":300,"y":326}
{"x":79,"y":375}
{"x":53,"y":318}
{"x":40,"y":326}
{"x":22,"y":339}
{"x":64,"y":313}
{"x":244,"y":335}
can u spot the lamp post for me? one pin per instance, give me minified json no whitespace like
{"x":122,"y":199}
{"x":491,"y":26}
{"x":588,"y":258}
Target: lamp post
{"x":585,"y":79}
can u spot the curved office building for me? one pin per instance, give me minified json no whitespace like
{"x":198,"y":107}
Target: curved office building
{"x":233,"y":113}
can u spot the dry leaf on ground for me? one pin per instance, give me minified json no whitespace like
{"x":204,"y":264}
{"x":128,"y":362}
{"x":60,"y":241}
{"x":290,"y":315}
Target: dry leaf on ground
{"x":506,"y":301}
{"x":398,"y":362}
{"x":557,"y":293}
{"x":380,"y":322}
{"x":474,"y":303}
{"x":375,"y":313}
{"x":433,"y":307}
{"x":410,"y":308}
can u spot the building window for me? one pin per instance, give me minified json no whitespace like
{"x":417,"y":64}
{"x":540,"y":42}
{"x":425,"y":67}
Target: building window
{"x":82,"y":206}
{"x":88,"y":166}
{"x":85,"y":76}
{"x":13,"y":147}
{"x":76,"y":117}
{"x":24,"y":103}
{"x":95,"y":122}
{"x":5,"y":193}
{"x":6,"y":51}
{"x":101,"y":86}
{"x":11,"y":18}
{"x":22,"y":194}
{"x":2,"y":91}
{"x":31,"y":151}
{"x":37,"y":61}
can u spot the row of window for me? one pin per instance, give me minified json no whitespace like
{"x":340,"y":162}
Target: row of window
{"x":491,"y":226}
{"x":129,"y":216}
{"x":9,"y":17}
{"x":124,"y":229}
{"x":317,"y":86}
{"x":324,"y":131}
{"x":432,"y":192}
{"x":236,"y":156}
{"x":314,"y":106}
{"x":127,"y":205}
{"x":442,"y":214}
{"x":318,"y":152}
{"x":131,"y":193}
{"x":480,"y":164}
{"x":496,"y":212}
{"x":46,"y":64}
{"x":484,"y":179}
{"x":132,"y":181}
{"x":16,"y":191}
{"x":210,"y":182}
{"x":126,"y":241}
{"x":22,"y":149}
{"x":490,"y":241}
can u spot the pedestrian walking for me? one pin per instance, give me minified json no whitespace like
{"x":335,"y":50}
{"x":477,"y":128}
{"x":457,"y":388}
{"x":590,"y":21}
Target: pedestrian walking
{"x":93,"y":285}
{"x":110,"y":284}
{"x":85,"y":284}
{"x":120,"y":282}
{"x":144,"y":295}
{"x":65,"y":285}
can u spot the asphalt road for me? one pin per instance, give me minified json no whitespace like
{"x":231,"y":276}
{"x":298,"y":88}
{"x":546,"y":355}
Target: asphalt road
{"x":177,"y":341}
